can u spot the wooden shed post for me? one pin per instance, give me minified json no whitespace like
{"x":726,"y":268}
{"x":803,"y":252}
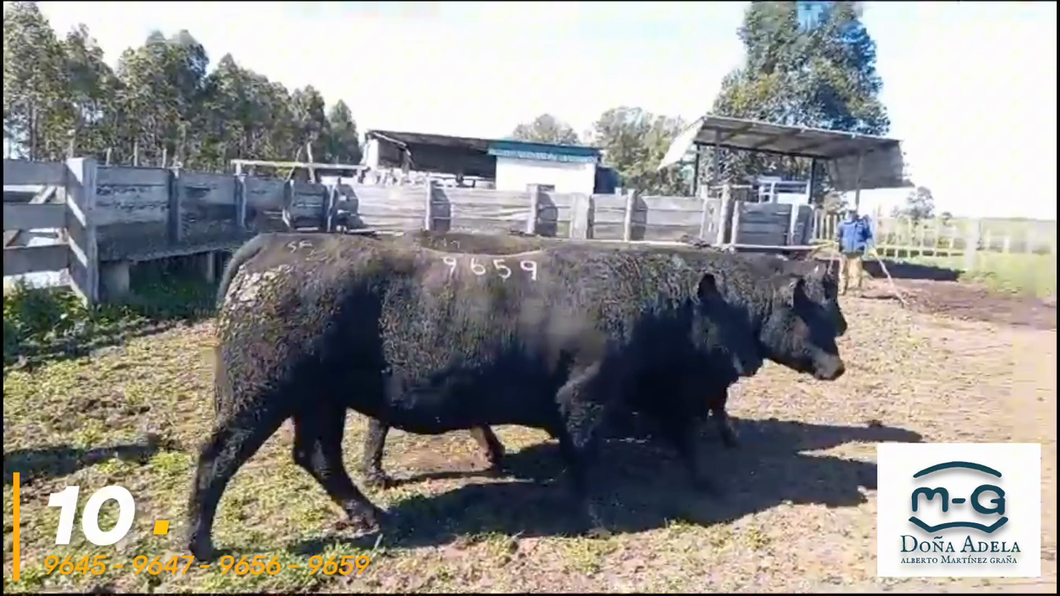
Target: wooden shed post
{"x":83,"y":262}
{"x":535,"y":200}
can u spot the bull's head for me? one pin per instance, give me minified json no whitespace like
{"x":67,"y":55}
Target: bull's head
{"x":798,"y":333}
{"x":721,"y":333}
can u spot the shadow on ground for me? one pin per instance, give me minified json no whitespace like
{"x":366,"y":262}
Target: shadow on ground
{"x":62,"y":460}
{"x":642,"y":485}
{"x":900,"y":270}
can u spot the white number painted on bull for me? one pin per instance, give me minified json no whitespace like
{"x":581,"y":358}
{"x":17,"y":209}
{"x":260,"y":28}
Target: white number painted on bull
{"x":451,"y":261}
{"x":300,"y":244}
{"x":530,"y":267}
{"x":499,"y":265}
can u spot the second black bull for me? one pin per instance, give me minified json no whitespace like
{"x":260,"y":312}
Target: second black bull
{"x":791,"y":306}
{"x":431,"y":342}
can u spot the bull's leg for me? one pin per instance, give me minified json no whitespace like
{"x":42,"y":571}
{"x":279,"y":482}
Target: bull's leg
{"x":490,"y":445}
{"x":717,"y":401}
{"x":372,"y":457}
{"x":680,"y":429}
{"x":583,"y":413}
{"x":318,"y":450}
{"x":235,"y":438}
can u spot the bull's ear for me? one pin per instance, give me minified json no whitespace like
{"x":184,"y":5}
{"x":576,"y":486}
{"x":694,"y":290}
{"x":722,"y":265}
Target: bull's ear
{"x":708,"y":288}
{"x":794,"y":288}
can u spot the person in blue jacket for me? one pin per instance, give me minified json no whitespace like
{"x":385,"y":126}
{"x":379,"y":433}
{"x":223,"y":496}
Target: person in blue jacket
{"x":854,"y":236}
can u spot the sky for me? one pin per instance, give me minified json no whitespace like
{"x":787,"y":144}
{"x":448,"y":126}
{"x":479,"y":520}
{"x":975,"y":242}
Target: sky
{"x":970,"y":87}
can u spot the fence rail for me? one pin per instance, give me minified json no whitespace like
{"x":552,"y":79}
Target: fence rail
{"x":904,"y":238}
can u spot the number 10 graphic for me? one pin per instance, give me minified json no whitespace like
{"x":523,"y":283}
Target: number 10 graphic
{"x":66,"y":501}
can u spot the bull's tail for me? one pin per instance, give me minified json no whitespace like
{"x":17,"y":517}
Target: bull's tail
{"x":244,"y":254}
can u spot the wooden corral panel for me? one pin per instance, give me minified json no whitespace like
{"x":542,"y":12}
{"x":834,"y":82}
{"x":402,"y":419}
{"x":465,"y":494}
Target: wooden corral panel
{"x":388,"y":207}
{"x":666,"y":218}
{"x":609,"y":218}
{"x":132,"y":211}
{"x":478,"y":210}
{"x":265,"y":201}
{"x":306,"y":207}
{"x":554,"y":214}
{"x":763,"y":224}
{"x":207,"y":207}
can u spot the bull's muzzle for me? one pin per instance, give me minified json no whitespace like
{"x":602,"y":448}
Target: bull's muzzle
{"x":829,"y":370}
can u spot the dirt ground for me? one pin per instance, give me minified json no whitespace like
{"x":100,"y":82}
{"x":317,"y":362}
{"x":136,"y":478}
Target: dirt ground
{"x":958,"y":365}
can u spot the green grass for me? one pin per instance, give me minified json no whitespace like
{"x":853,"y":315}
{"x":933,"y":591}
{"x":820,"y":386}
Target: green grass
{"x":1016,"y":273}
{"x":45,"y":322}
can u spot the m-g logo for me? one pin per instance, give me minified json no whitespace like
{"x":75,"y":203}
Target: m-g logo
{"x":998,"y":502}
{"x":975,"y":513}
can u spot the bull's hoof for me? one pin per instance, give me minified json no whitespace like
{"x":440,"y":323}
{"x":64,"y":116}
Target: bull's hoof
{"x":366,"y":521}
{"x":202,"y":550}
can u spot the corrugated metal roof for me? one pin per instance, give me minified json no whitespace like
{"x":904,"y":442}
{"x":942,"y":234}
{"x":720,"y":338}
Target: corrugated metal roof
{"x":882,"y":164}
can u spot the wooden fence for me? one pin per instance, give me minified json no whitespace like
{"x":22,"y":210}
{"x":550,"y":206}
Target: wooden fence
{"x":108,"y":217}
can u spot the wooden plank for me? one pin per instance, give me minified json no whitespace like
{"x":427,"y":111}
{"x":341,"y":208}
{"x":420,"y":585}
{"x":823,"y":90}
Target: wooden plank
{"x":752,"y":227}
{"x":664,"y":203}
{"x":24,"y":216}
{"x":31,"y":259}
{"x":19,"y":172}
{"x":125,"y":176}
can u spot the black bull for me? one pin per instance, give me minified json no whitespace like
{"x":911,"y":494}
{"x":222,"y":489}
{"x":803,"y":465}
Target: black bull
{"x":789,"y":333}
{"x":431,"y":342}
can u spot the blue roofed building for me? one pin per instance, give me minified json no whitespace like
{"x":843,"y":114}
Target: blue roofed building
{"x":503,"y":164}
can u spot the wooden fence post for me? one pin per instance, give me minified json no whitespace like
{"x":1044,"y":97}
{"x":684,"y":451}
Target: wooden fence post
{"x":176,"y":195}
{"x":971,"y":246}
{"x":581,"y":220}
{"x":328,"y":205}
{"x":288,"y":199}
{"x":793,"y":221}
{"x":241,"y":202}
{"x":627,"y":220}
{"x":535,"y":200}
{"x":83,"y":263}
{"x":428,"y":211}
{"x":723,"y":219}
